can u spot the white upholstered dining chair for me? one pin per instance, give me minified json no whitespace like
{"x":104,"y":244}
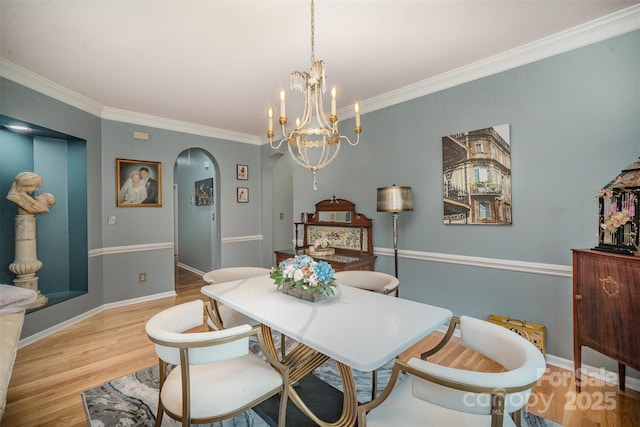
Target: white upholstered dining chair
{"x":374,"y":281}
{"x":215,"y":376}
{"x":441,"y":396}
{"x":222,"y":316}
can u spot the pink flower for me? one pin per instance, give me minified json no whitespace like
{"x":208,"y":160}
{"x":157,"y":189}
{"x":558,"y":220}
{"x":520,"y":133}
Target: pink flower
{"x":629,"y":207}
{"x":306,"y":271}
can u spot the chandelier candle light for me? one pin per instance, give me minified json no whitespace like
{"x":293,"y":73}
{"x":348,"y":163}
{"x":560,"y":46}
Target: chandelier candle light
{"x":317,"y":138}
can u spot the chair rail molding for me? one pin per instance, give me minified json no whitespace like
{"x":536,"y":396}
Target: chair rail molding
{"x":239,"y":239}
{"x":130,"y":248}
{"x":472,"y":261}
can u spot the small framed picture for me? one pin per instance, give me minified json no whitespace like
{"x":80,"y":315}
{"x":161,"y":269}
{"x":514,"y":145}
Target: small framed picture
{"x":138,"y":183}
{"x":242,"y":195}
{"x":242,"y":172}
{"x":204,"y":192}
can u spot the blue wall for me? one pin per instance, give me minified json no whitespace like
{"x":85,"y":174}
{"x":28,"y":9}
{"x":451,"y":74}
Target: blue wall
{"x":25,"y":104}
{"x":574,"y":121}
{"x":574,"y":125}
{"x":62,"y":232}
{"x":16,"y":156}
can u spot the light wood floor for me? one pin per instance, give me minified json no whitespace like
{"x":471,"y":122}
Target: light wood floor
{"x":50,"y":375}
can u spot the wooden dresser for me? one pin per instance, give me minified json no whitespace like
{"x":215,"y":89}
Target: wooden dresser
{"x":348,"y":231}
{"x":606,"y":308}
{"x":339,"y":261}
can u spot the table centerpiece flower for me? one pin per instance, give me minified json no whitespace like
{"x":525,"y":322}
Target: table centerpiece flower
{"x":306,"y":275}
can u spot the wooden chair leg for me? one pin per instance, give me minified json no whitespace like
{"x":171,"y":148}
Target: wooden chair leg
{"x":374,"y":384}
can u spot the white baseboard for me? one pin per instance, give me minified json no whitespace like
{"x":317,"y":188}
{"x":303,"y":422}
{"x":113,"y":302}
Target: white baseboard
{"x":593,"y":372}
{"x":191,"y":269}
{"x":63,"y":325}
{"x":590,"y":371}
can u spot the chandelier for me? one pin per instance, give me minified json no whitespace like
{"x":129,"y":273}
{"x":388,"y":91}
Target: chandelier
{"x":316,"y":139}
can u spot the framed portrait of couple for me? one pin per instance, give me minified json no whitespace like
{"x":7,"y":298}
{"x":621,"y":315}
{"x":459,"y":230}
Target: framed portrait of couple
{"x":138,"y":183}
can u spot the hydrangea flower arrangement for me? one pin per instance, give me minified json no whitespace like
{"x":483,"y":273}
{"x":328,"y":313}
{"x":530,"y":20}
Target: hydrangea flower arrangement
{"x":304,"y":273}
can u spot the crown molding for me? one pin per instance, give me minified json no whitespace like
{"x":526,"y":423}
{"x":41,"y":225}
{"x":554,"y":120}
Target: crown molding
{"x":612,"y":25}
{"x":47,"y":87}
{"x":132,"y":117}
{"x":34,"y":81}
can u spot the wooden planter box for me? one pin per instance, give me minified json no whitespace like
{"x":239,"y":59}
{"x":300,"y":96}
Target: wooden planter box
{"x":299,"y":293}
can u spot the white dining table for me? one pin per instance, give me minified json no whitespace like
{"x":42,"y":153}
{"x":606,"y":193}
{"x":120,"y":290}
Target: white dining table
{"x":358,"y":329}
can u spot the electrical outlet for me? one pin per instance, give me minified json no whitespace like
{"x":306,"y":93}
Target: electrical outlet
{"x":281,"y":215}
{"x":142,"y":277}
{"x":112,"y":220}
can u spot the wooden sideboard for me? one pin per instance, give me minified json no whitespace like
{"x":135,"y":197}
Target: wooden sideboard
{"x":340,"y":261}
{"x":348,"y":231}
{"x":606,"y":308}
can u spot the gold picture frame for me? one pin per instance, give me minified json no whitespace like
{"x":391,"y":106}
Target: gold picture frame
{"x":138,"y":183}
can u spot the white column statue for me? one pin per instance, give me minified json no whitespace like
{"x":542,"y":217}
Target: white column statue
{"x":26,"y":263}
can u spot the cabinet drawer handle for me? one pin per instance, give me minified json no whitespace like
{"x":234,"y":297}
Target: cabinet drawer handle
{"x":578,"y":297}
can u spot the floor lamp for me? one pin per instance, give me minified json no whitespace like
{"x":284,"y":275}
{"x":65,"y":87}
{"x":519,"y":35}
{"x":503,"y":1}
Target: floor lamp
{"x":395,"y":199}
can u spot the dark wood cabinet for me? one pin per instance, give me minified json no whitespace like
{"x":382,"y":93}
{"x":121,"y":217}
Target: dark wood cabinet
{"x":348,"y":232}
{"x":606,"y":308}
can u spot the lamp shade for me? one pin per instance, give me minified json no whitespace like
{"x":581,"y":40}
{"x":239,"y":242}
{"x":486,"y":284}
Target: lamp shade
{"x":395,"y":199}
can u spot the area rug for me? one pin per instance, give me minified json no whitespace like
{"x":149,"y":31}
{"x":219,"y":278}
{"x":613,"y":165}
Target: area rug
{"x":132,"y":401}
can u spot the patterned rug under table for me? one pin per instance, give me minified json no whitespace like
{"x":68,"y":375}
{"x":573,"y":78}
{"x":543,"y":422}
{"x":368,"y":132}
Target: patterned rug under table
{"x":132,"y":401}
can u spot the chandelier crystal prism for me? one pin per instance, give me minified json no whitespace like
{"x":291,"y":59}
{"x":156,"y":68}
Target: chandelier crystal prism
{"x":315,"y":141}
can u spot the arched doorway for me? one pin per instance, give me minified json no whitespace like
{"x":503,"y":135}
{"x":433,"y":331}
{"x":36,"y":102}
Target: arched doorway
{"x":196,"y":228}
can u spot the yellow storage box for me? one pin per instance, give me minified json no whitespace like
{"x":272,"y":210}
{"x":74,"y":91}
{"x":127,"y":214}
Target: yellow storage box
{"x":534,"y":333}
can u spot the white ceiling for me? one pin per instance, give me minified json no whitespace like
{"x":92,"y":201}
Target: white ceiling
{"x":221,"y":63}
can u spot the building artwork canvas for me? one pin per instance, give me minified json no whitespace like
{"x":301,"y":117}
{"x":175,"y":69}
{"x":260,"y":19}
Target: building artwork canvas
{"x":476,"y":173}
